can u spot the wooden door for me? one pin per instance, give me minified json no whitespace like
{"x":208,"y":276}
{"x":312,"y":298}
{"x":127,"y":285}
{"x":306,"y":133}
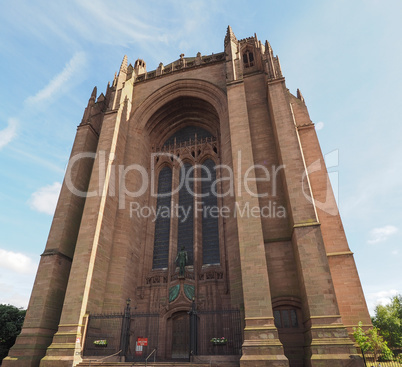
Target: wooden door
{"x":180,"y":336}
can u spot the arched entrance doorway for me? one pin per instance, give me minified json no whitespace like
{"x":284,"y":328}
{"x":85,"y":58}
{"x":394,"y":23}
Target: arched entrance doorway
{"x":180,"y":335}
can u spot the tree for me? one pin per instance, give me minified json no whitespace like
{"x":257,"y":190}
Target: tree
{"x":11,"y":320}
{"x":388,"y":319}
{"x":371,"y":340}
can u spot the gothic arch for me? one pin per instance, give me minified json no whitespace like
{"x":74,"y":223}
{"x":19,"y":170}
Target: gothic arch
{"x":202,"y":95}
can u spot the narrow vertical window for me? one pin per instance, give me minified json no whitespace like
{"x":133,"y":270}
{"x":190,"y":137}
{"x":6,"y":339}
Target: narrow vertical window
{"x":210,"y":227}
{"x":162,"y":222}
{"x":248,"y":59}
{"x":186,"y":212}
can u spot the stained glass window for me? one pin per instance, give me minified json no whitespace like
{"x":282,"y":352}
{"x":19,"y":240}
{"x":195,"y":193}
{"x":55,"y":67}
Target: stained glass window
{"x":162,"y":222}
{"x":210,"y":228}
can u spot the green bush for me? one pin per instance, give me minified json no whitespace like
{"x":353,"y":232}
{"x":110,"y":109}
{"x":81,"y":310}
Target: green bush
{"x":386,"y":355}
{"x":371,"y":341}
{"x":11,"y":320}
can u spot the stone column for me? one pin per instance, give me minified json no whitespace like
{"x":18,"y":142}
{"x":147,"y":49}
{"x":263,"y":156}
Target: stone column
{"x":50,"y":285}
{"x":261,"y":343}
{"x":87,"y":282}
{"x":326,"y":337}
{"x":348,"y":289}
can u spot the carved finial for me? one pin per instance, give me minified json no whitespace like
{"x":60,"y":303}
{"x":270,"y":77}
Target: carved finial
{"x":198,"y":58}
{"x":268,"y":47}
{"x":299,"y":95}
{"x":101,"y":98}
{"x":230,"y":36}
{"x":94,"y":92}
{"x":108,"y":91}
{"x":182,"y":61}
{"x":114,"y":80}
{"x":88,"y":109}
{"x":140,"y":67}
{"x":159,"y":70}
{"x":123,"y":66}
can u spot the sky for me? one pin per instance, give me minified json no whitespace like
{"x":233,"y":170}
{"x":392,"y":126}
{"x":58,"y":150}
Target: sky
{"x":345,"y":56}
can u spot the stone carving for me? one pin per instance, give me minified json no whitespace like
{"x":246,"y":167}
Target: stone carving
{"x":212,"y":274}
{"x":174,"y":292}
{"x":189,"y":291}
{"x":156,"y":279}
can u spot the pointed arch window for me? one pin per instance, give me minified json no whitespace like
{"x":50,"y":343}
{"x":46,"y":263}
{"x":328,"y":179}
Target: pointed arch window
{"x":248,"y":59}
{"x":185,"y":236}
{"x":210,"y":226}
{"x":196,"y":150}
{"x":162,"y":223}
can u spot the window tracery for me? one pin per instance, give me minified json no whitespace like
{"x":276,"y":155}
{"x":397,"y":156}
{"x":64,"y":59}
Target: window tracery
{"x":248,"y":59}
{"x":192,"y":152}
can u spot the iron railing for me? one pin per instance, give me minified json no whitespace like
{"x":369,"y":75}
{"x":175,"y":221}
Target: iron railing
{"x":113,"y":333}
{"x":382,"y":361}
{"x":218,"y":324}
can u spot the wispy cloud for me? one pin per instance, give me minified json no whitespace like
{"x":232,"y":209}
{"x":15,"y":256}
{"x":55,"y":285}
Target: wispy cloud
{"x":382,"y":234}
{"x":117,"y":22}
{"x":38,"y":160}
{"x":77,"y":62}
{"x":9,"y":133}
{"x":45,"y":199}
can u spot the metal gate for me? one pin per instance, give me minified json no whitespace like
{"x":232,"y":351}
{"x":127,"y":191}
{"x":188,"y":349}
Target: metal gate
{"x":219,"y":332}
{"x":136,"y":335}
{"x":143,"y":336}
{"x":103,"y":335}
{"x":108,"y":334}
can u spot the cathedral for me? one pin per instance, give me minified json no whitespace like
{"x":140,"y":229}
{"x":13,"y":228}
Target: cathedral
{"x":196,"y":223}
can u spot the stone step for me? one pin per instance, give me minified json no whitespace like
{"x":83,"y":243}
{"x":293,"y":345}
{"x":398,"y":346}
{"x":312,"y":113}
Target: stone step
{"x":90,"y":363}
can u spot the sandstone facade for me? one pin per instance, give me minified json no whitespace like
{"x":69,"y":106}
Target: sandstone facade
{"x":277,"y":249}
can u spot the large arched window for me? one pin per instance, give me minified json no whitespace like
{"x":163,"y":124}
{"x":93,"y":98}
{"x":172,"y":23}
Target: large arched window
{"x":191,"y":152}
{"x":162,"y":222}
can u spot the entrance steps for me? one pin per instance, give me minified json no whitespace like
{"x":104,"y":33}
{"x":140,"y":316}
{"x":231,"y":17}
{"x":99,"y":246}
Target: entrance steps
{"x":142,"y":364}
{"x":89,"y":363}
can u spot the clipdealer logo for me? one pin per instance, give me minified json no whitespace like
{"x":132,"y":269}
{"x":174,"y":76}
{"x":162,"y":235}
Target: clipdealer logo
{"x":243,"y":184}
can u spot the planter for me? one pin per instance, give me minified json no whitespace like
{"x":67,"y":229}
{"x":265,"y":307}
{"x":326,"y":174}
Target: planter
{"x":100,"y":343}
{"x":219,"y":341}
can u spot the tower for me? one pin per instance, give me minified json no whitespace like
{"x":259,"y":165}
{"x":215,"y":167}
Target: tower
{"x":199,"y":188}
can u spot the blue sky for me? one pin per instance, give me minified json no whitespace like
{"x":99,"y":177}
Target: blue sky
{"x":345,"y":56}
